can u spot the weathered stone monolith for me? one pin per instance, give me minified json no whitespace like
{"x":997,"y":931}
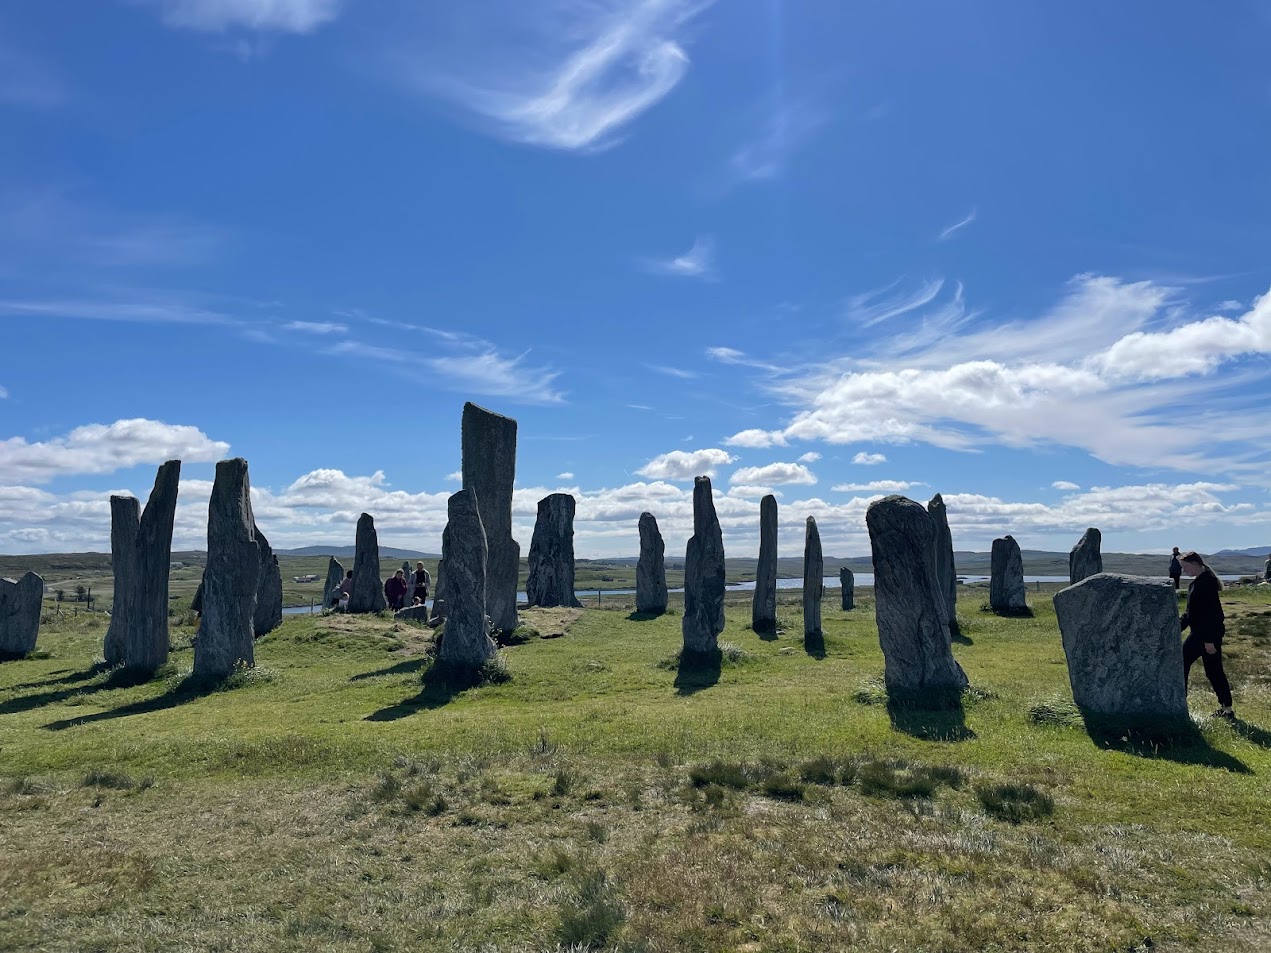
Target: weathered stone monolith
{"x":813,"y":581}
{"x":1006,"y":579}
{"x":763,"y":609}
{"x":551,"y":577}
{"x":1120,"y":636}
{"x":232,"y":578}
{"x":125,"y":521}
{"x":20,"y":602}
{"x":651,"y":568}
{"x":946,"y":571}
{"x":268,"y":615}
{"x":408,"y":574}
{"x":908,"y":605}
{"x":439,"y":589}
{"x":489,"y":468}
{"x":848,"y":581}
{"x":1085,"y":558}
{"x":368,"y":588}
{"x":703,"y":576}
{"x":1266,"y":571}
{"x":335,"y":576}
{"x":196,"y":603}
{"x":417,"y":613}
{"x":146,"y":648}
{"x":467,"y":642}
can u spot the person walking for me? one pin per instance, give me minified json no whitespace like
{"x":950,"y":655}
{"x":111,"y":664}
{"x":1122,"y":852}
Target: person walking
{"x":1175,"y":568}
{"x":421,"y":583}
{"x":1204,"y":616}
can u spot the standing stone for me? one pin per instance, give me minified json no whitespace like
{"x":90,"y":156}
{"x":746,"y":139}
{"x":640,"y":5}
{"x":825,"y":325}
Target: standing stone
{"x":147,"y":646}
{"x":908,"y":603}
{"x":232,"y":578}
{"x":439,"y":590}
{"x":408,"y":600}
{"x":651,"y":568}
{"x":467,"y":641}
{"x":813,"y":581}
{"x":1006,"y":579}
{"x":703,"y":575}
{"x":1266,"y":570}
{"x":20,"y":604}
{"x":125,"y":521}
{"x":848,"y":582}
{"x":268,"y":614}
{"x":335,"y":576}
{"x":551,"y":578}
{"x":196,"y":604}
{"x":946,"y":571}
{"x":1120,"y":636}
{"x":1085,"y":558}
{"x":489,"y":468}
{"x":368,"y":589}
{"x":763,"y":610}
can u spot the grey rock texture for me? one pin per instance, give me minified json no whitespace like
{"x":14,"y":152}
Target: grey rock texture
{"x":335,"y":575}
{"x":439,"y":589}
{"x":813,"y":580}
{"x":409,"y":573}
{"x":946,"y":570}
{"x":232,"y":577}
{"x":848,"y":581}
{"x":413,"y":613}
{"x":763,"y":609}
{"x":125,"y":521}
{"x":20,"y":603}
{"x":466,"y":642}
{"x":703,"y":575}
{"x":908,"y":604}
{"x":268,"y":615}
{"x":1121,"y":639}
{"x":368,"y":588}
{"x":489,"y":468}
{"x":1006,"y":579}
{"x":147,"y":645}
{"x":551,"y":576}
{"x":651,"y":568}
{"x":1266,"y":572}
{"x":1085,"y":558}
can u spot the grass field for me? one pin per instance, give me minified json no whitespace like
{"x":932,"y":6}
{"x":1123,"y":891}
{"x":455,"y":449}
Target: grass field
{"x":336,"y":798}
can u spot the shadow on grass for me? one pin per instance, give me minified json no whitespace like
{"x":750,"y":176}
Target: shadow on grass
{"x":644,"y":616}
{"x":69,"y":678}
{"x":441,"y":684}
{"x":1252,"y":733}
{"x":187,"y":690}
{"x":1013,"y":612}
{"x":814,"y":644}
{"x":930,"y":715}
{"x":957,"y":637}
{"x":118,"y":678}
{"x":405,"y":667}
{"x":697,"y":670}
{"x":1177,"y":740}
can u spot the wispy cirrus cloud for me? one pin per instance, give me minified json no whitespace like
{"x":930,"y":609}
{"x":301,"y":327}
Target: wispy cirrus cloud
{"x":316,"y":327}
{"x":682,"y":373}
{"x":141,"y":308}
{"x":785,"y":128}
{"x":951,"y":230}
{"x":697,"y":262}
{"x":883,"y":304}
{"x":278,"y":16}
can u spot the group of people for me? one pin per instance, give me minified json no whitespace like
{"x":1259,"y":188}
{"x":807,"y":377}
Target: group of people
{"x":397,"y":590}
{"x":1204,"y":616}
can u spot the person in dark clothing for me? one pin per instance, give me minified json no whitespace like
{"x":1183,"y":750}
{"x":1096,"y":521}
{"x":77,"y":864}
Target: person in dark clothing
{"x":1175,"y":568}
{"x":421,"y":583}
{"x":395,"y":590}
{"x":1205,"y":618}
{"x":340,"y":594}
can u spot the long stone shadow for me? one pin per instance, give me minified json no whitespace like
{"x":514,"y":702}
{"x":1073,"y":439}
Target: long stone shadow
{"x":1252,"y":733}
{"x":187,"y":690}
{"x":66,"y":679}
{"x":644,"y":616}
{"x":958,"y":638}
{"x":1177,"y":740}
{"x":697,"y":670}
{"x":931,"y":718}
{"x":405,"y":667}
{"x":118,"y":678}
{"x":814,"y":645}
{"x":441,"y":685}
{"x":766,"y":633}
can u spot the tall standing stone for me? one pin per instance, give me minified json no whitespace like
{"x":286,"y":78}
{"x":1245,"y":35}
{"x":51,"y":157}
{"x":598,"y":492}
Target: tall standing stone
{"x":946,"y":571}
{"x":20,"y":603}
{"x":408,"y":574}
{"x":848,"y":583}
{"x":125,"y":521}
{"x":1006,"y":577}
{"x":908,"y":604}
{"x":1085,"y":558}
{"x":763,"y":610}
{"x":335,"y":576}
{"x":703,"y":575}
{"x":651,"y":568}
{"x":147,"y":645}
{"x":1120,"y":637}
{"x":813,"y":580}
{"x":551,"y":578}
{"x":489,"y":468}
{"x":367,"y":594}
{"x":268,"y":615}
{"x":439,"y":589}
{"x":467,"y":642}
{"x":232,"y":578}
{"x":1266,"y":570}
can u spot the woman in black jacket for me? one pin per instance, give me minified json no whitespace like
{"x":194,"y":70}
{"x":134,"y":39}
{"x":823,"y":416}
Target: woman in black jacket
{"x":1204,"y":617}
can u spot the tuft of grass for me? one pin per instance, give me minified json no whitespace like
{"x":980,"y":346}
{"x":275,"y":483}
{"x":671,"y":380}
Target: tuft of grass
{"x":1015,"y":803}
{"x":1055,"y":710}
{"x":872,"y":691}
{"x":543,"y":746}
{"x":244,"y":676}
{"x":730,"y":653}
{"x":822,"y":770}
{"x":720,"y":773}
{"x":784,"y":787}
{"x":388,"y":788}
{"x":590,"y":920}
{"x":116,"y":780}
{"x":423,"y":799}
{"x":563,"y":783}
{"x":899,"y":780}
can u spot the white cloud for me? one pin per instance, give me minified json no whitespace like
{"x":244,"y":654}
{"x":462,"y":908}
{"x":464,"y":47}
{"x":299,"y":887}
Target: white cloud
{"x":810,"y":457}
{"x":282,"y":16}
{"x":669,"y":371}
{"x":875,"y":486}
{"x":565,"y":476}
{"x":697,"y":262}
{"x":752,"y":492}
{"x":1064,"y":485}
{"x":957,"y":226}
{"x":316,"y":327}
{"x":869,"y":459}
{"x":685,"y":465}
{"x":156,"y":310}
{"x":874,"y":307}
{"x":105,"y":448}
{"x":730,"y":355}
{"x":774,"y":474}
{"x":3,"y":393}
{"x":756,"y":439}
{"x":786,"y":127}
{"x":456,"y":477}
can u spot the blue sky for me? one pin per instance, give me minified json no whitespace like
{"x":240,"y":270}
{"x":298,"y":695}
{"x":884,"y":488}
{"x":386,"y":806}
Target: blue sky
{"x":1013,"y":253}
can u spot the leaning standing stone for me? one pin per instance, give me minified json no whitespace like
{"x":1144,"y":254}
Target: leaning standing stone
{"x":703,"y":576}
{"x":848,"y":581}
{"x":551,"y":578}
{"x":1085,"y":558}
{"x":489,"y":468}
{"x":268,"y":614}
{"x":232,"y":577}
{"x":908,"y":604}
{"x":147,"y":645}
{"x":335,"y":576}
{"x":20,"y":604}
{"x":368,"y":589}
{"x":651,"y":568}
{"x":763,"y":610}
{"x":946,"y":571}
{"x":813,"y":581}
{"x":125,"y":520}
{"x":466,"y":643}
{"x":1006,"y":579}
{"x":1120,"y":636}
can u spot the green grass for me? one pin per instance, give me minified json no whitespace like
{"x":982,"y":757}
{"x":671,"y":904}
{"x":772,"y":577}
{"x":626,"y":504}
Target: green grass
{"x":344,"y":796}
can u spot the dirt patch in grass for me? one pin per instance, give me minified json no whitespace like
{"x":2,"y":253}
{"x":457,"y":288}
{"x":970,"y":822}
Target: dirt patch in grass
{"x":550,"y":623}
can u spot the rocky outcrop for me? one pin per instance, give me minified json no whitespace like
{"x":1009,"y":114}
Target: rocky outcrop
{"x":551,"y":576}
{"x":946,"y":570}
{"x":367,"y":594}
{"x":703,"y":576}
{"x":147,"y":645}
{"x":651,"y":595}
{"x":1006,"y":579}
{"x":232,"y":578}
{"x":848,"y":582}
{"x":335,"y":576}
{"x":268,"y":615}
{"x":909,"y":606}
{"x":763,"y":609}
{"x":20,"y":603}
{"x":1085,"y":558}
{"x":466,"y":642}
{"x":489,"y":468}
{"x":125,"y":521}
{"x":813,"y":581}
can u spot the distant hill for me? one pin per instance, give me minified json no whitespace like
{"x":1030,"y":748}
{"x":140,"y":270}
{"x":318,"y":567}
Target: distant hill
{"x":347,"y":552}
{"x":1262,"y":551}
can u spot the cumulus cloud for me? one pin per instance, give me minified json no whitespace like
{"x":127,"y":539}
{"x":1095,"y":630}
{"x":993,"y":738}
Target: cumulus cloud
{"x":565,"y":476}
{"x":810,"y":457}
{"x":774,"y":474}
{"x":685,"y":465}
{"x":1064,"y":485}
{"x":105,"y":448}
{"x":756,"y":439}
{"x":869,"y":459}
{"x":875,"y":486}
